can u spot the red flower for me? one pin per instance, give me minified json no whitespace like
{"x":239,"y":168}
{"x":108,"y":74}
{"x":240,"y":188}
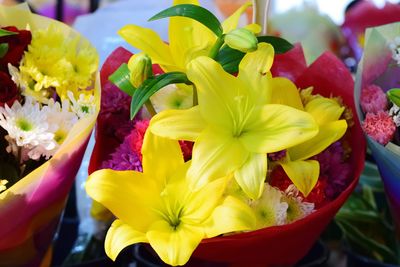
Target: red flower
{"x":379,"y":126}
{"x":8,"y":90}
{"x":16,"y":46}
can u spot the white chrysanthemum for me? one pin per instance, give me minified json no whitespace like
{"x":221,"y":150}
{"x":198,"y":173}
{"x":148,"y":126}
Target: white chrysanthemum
{"x":27,"y":125}
{"x":83,"y":106}
{"x":3,"y":185}
{"x":297,"y":209}
{"x":64,"y":119}
{"x":395,"y":113}
{"x":395,"y":47}
{"x":269,"y":209}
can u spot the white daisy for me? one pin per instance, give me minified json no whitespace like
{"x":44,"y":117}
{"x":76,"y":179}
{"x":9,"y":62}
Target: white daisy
{"x":269,"y":209}
{"x":27,"y":125}
{"x":83,"y":106}
{"x":395,"y":47}
{"x":64,"y":119}
{"x":297,"y":209}
{"x":395,"y":113}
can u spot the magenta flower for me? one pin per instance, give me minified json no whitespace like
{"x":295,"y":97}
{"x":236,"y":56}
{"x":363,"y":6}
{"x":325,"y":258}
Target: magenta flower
{"x":379,"y":126}
{"x":373,"y":99}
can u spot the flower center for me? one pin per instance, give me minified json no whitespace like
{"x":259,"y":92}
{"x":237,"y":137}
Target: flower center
{"x":24,"y":125}
{"x":59,"y":136}
{"x":85,"y":109}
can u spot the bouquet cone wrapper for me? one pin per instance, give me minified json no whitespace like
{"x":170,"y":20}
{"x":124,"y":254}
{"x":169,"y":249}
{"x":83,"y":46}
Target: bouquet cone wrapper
{"x":30,"y":209}
{"x":377,"y":67}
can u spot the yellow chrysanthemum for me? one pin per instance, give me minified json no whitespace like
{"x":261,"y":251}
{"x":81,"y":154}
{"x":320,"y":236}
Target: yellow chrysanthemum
{"x":56,"y":62}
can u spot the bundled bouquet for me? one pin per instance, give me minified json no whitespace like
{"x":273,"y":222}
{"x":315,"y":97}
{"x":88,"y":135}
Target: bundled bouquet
{"x":377,"y":97}
{"x":48,"y":105}
{"x":237,"y":161}
{"x":362,"y":15}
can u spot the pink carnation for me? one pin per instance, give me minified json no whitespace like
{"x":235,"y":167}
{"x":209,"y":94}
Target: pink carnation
{"x":379,"y":126}
{"x":373,"y":99}
{"x":137,"y":136}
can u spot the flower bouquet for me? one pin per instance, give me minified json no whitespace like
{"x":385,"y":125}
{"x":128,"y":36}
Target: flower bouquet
{"x":377,"y":100}
{"x":49,"y":101}
{"x":247,"y":155}
{"x":362,"y":15}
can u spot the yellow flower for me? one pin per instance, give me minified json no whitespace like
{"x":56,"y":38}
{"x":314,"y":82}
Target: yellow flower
{"x":53,"y":61}
{"x":188,"y":39}
{"x":326,"y":112}
{"x":157,"y":206}
{"x":233,"y":126}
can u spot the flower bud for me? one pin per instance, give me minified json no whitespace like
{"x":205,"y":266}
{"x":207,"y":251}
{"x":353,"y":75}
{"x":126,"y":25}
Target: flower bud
{"x":140,"y":67}
{"x":394,"y":96}
{"x":242,"y":40}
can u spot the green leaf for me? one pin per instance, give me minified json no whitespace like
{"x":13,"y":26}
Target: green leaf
{"x":195,"y":12}
{"x":280,"y":45}
{"x":152,"y":85}
{"x":358,"y":216}
{"x":394,"y":96}
{"x":230,"y":58}
{"x":353,"y":235}
{"x":121,"y":79}
{"x":6,"y":33}
{"x":3,"y":49}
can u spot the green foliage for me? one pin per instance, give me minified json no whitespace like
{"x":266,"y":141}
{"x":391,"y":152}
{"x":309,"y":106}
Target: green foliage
{"x":121,"y":79}
{"x":152,"y":85}
{"x":195,"y":12}
{"x":3,"y":49}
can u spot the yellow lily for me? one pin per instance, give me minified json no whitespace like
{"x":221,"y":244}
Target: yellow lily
{"x":158,"y":207}
{"x":188,"y":39}
{"x":303,"y":172}
{"x":233,"y":128}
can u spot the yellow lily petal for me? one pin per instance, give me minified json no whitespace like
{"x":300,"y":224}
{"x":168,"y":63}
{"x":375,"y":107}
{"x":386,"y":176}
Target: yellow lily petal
{"x":285,"y":92}
{"x":161,"y":157}
{"x":181,"y":2}
{"x":277,"y":127}
{"x":232,"y":21}
{"x":174,"y":245}
{"x":222,"y":97}
{"x":202,"y":202}
{"x":188,"y":38}
{"x":231,"y":216}
{"x":147,"y":41}
{"x":324,"y":110}
{"x":178,"y":124}
{"x":119,"y":236}
{"x":253,"y":27}
{"x":251,"y":176}
{"x":303,"y":174}
{"x":254,"y":71}
{"x":328,"y":134}
{"x":122,"y":192}
{"x":215,"y":154}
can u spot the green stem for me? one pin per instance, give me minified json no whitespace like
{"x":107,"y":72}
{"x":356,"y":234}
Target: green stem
{"x":150,"y":108}
{"x":195,"y":97}
{"x":215,"y":49}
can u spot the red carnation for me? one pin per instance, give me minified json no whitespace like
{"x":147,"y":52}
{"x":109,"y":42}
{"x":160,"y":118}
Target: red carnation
{"x":8,"y":90}
{"x":17,"y":44}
